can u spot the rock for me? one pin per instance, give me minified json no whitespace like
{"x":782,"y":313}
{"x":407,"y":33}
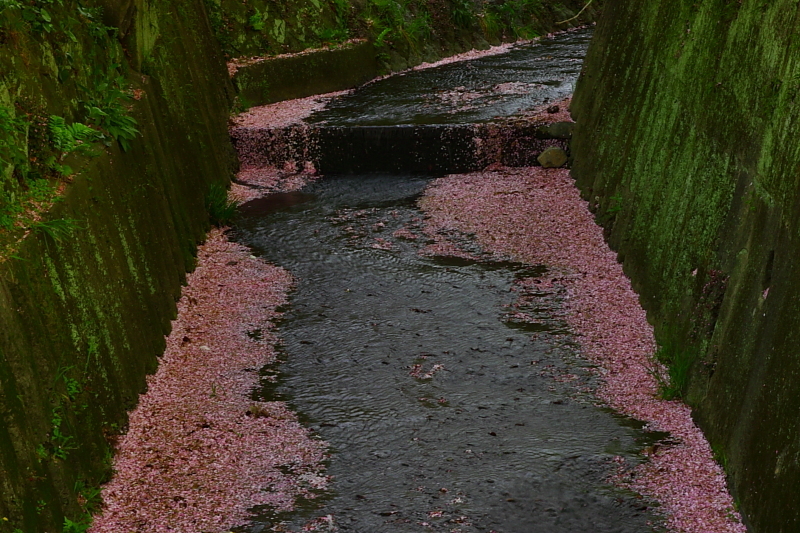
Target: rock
{"x":561,"y":130}
{"x":552,"y":157}
{"x":553,"y":109}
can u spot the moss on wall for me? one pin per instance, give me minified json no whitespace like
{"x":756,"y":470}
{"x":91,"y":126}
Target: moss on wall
{"x":685,"y":146}
{"x":299,"y":75}
{"x":88,"y":286}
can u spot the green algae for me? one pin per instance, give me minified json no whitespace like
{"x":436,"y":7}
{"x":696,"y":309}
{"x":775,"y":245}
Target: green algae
{"x":98,"y":299}
{"x":686,"y":112}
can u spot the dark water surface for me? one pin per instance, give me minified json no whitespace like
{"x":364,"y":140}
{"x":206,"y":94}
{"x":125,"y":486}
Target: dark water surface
{"x":500,"y":437}
{"x":469,"y":91}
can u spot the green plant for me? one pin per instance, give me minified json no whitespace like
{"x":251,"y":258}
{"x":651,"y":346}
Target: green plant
{"x":10,"y":5}
{"x":72,"y":386}
{"x":92,"y":351}
{"x":82,"y":526}
{"x":10,"y":210}
{"x":490,"y":24}
{"x":114,"y":120}
{"x":75,"y":137}
{"x":332,"y":35}
{"x":92,"y":19}
{"x":679,"y":363}
{"x":615,"y":205}
{"x":221,"y":210}
{"x":13,"y":139}
{"x":16,"y":208}
{"x":341,"y":32}
{"x":41,"y":452}
{"x":107,"y":109}
{"x":398,"y":19}
{"x":68,"y":138}
{"x":417,"y":29}
{"x":526,"y":32}
{"x":38,"y":16}
{"x":463,"y":13}
{"x":380,"y":40}
{"x":258,"y":20}
{"x":61,"y":442}
{"x":88,"y":497}
{"x":57,"y":229}
{"x":518,"y":14}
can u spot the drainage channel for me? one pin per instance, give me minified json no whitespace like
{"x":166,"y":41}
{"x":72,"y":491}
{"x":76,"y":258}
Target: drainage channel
{"x":443,"y":412}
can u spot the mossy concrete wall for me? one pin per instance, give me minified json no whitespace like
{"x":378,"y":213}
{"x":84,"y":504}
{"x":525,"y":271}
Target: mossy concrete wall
{"x":688,"y":115}
{"x":83,"y":315}
{"x":291,"y":76}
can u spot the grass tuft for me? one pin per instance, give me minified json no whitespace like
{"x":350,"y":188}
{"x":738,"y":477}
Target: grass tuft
{"x":679,"y":363}
{"x":221,"y":210}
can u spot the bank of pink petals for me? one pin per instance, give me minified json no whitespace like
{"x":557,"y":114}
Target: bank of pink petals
{"x":542,"y":115}
{"x":282,"y":114}
{"x":537,"y":216}
{"x":487,"y":52}
{"x":252,"y":183}
{"x":199,"y":452}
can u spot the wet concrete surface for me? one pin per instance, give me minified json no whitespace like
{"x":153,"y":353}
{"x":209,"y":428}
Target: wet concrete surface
{"x":467,"y":92}
{"x":443,"y":413}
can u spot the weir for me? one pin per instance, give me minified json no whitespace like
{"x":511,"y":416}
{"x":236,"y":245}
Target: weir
{"x":402,"y":148}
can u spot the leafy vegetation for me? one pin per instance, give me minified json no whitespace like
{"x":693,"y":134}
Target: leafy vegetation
{"x":258,"y":20}
{"x":57,"y":229}
{"x":13,"y":130}
{"x":20,"y":209}
{"x":35,"y":145}
{"x":463,"y":14}
{"x":89,"y":501}
{"x":107,"y":109}
{"x":678,"y":362}
{"x":406,"y":21}
{"x":221,"y":210}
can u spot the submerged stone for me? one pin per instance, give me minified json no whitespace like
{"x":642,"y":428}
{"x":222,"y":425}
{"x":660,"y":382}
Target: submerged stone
{"x":552,"y":157}
{"x":560,"y":130}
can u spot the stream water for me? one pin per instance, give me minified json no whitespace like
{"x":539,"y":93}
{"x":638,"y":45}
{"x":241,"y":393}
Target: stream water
{"x":443,"y":412}
{"x":467,"y":92}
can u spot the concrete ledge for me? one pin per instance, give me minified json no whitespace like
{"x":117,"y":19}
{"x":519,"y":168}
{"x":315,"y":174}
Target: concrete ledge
{"x":286,"y":77}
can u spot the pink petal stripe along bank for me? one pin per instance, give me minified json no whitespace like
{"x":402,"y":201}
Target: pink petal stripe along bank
{"x":536,"y":216}
{"x":199,"y":453}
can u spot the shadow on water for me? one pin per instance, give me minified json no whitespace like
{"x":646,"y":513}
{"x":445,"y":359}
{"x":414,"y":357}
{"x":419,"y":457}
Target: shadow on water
{"x":279,"y":201}
{"x":440,"y":416}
